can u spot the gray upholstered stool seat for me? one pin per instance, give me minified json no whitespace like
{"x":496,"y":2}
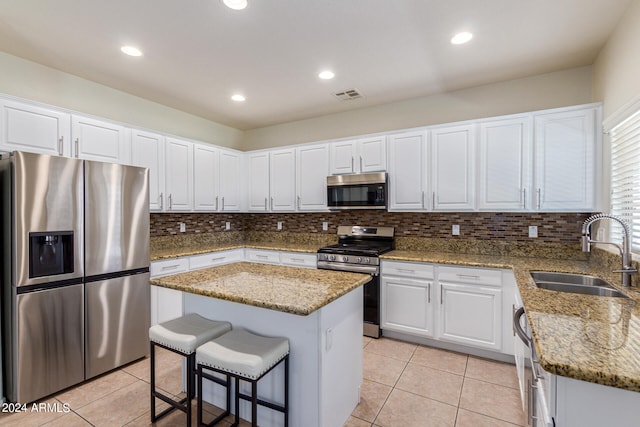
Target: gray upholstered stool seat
{"x":183,"y":336}
{"x":248,"y":357}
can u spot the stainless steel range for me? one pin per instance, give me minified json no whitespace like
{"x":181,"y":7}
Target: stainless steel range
{"x":357,"y":251}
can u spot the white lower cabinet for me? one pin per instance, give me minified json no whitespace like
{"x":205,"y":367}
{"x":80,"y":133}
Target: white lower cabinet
{"x":406,"y":299}
{"x":461,"y":305}
{"x":471,"y":306}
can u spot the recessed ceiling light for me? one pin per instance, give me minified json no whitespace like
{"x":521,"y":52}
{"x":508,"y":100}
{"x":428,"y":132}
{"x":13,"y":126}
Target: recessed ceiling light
{"x":131,"y":50}
{"x":235,"y":4}
{"x":326,"y":75}
{"x":238,"y":98}
{"x":461,"y":38}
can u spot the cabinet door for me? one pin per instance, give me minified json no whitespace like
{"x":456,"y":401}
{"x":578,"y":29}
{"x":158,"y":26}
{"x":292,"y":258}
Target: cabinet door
{"x":147,"y":150}
{"x":564,"y":161}
{"x":100,"y":140}
{"x":34,"y":129}
{"x":471,"y":315}
{"x":343,"y":157}
{"x":259,"y":182}
{"x":282,"y":180}
{"x":229,"y":181}
{"x":205,"y":178}
{"x":406,"y":305}
{"x":505,"y":165}
{"x":407,"y":184}
{"x":452,"y":165}
{"x":372,"y":154}
{"x":179,"y":175}
{"x":312,"y":169}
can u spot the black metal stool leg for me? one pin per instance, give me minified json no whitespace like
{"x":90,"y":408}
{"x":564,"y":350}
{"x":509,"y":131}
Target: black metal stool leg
{"x":237,"y":403}
{"x":153,"y":381}
{"x":286,"y":391}
{"x":254,"y":403}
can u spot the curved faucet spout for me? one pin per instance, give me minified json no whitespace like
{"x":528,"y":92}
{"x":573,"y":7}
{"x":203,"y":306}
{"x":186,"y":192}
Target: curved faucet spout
{"x":625,"y":248}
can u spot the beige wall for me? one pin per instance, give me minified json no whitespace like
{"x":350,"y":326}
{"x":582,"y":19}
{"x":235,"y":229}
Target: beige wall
{"x":559,"y":89}
{"x":616,"y":71}
{"x":26,"y":79}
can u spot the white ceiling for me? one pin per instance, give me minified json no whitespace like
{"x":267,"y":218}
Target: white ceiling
{"x":197,"y":53}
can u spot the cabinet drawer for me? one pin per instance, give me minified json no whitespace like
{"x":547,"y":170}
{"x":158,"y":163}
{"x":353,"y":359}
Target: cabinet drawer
{"x":470,"y":275}
{"x":408,"y":269}
{"x":169,"y":266}
{"x":215,"y":258}
{"x":297,"y":259}
{"x":266,"y":257}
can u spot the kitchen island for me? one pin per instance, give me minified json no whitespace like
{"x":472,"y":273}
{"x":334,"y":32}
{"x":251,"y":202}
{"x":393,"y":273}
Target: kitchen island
{"x":319,"y":311}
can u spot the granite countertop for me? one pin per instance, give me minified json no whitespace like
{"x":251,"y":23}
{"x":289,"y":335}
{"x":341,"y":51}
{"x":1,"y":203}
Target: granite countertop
{"x":289,"y":289}
{"x":589,"y":338}
{"x":203,"y":248}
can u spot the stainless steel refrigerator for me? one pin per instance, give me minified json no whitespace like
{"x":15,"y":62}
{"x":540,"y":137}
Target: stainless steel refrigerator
{"x":75,"y":238}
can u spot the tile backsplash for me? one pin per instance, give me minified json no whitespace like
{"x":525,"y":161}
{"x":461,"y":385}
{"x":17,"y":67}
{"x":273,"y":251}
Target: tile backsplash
{"x":559,"y":228}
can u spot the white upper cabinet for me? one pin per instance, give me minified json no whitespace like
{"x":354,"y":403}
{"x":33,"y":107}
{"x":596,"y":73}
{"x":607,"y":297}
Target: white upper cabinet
{"x":312,"y":168}
{"x":272,"y":180}
{"x":505,"y":165}
{"x":282,"y":180}
{"x":453,"y":168}
{"x":179,"y":175}
{"x":258,"y":164}
{"x":147,"y":150}
{"x":34,"y":129}
{"x":229,"y":181}
{"x":407,"y":178}
{"x":358,"y":156}
{"x":205,"y":178}
{"x":100,"y":140}
{"x":565,"y":170}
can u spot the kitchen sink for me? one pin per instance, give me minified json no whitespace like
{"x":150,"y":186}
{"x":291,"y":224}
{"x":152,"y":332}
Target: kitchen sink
{"x":575,"y":283}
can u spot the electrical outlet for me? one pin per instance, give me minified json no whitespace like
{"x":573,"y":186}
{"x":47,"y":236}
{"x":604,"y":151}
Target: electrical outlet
{"x":533,"y":231}
{"x":183,"y":227}
{"x":325,"y":225}
{"x":455,"y":229}
{"x":227,"y":225}
{"x":279,"y":225}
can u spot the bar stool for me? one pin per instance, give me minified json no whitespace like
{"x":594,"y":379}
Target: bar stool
{"x":248,"y":357}
{"x":182,"y":336}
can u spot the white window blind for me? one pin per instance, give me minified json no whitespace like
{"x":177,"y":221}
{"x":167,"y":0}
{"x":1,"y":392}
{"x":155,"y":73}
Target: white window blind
{"x":625,"y":178}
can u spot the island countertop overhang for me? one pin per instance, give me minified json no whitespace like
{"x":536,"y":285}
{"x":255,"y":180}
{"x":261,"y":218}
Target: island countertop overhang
{"x":288,"y":289}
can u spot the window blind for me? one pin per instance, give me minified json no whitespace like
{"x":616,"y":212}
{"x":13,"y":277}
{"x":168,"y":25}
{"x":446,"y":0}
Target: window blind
{"x":625,"y":178}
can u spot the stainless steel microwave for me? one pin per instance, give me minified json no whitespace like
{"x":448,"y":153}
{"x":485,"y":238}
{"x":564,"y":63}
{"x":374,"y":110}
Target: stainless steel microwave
{"x":357,"y":191}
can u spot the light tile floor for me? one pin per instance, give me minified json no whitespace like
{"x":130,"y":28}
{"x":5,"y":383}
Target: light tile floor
{"x":404,"y":385}
{"x":412,"y":385}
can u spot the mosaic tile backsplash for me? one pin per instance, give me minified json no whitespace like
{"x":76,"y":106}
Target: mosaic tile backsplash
{"x":558,"y":228}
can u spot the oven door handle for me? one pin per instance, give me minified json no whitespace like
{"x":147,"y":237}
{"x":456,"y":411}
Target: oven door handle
{"x":349,"y":269}
{"x":518,"y":328}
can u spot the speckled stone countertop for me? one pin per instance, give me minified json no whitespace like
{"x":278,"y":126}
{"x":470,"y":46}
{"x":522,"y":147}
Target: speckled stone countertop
{"x":293,"y":290}
{"x":589,"y":338}
{"x":203,"y":248}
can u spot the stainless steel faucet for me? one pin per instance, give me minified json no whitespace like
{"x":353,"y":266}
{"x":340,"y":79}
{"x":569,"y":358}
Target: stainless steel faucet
{"x":625,"y":248}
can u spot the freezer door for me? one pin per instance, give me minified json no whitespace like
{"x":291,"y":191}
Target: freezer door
{"x":48,"y":200}
{"x":118,"y":320}
{"x":48,"y":355}
{"x":116,"y":218}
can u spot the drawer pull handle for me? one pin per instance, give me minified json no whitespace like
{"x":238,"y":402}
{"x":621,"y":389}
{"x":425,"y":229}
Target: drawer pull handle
{"x":170,"y":267}
{"x":406,"y":270}
{"x":220,"y":258}
{"x":297,"y":259}
{"x":262,"y":256}
{"x":468,"y":276}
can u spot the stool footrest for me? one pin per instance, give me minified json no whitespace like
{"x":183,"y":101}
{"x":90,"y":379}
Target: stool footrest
{"x":262,"y":402}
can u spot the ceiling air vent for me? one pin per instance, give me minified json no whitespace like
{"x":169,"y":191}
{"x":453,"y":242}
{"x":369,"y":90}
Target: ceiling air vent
{"x":346,"y":95}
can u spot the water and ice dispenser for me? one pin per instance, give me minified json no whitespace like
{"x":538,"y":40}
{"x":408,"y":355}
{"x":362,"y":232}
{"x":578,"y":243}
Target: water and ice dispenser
{"x":50,"y":253}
